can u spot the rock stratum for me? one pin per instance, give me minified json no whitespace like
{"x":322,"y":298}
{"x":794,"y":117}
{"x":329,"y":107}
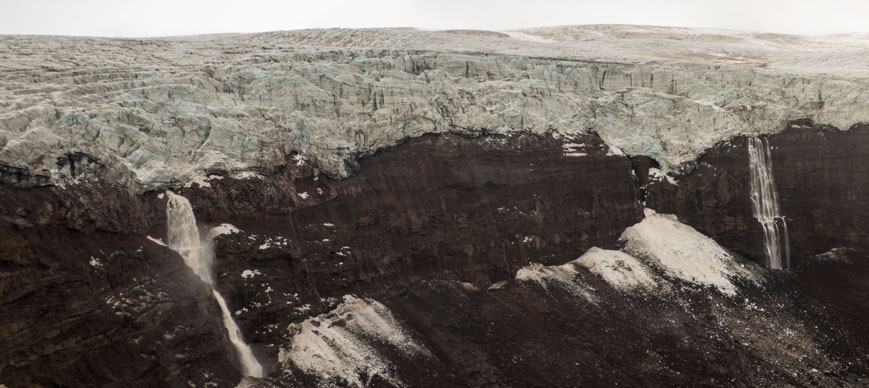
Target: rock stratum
{"x":567,"y":206}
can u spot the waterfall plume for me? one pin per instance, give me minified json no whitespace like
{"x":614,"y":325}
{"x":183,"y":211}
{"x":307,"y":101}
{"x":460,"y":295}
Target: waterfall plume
{"x":183,"y":237}
{"x":764,"y":200}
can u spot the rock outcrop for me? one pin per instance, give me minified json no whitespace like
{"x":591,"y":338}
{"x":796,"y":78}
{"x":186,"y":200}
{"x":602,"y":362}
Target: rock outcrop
{"x":821,"y":181}
{"x":472,"y":209}
{"x":100,"y":309}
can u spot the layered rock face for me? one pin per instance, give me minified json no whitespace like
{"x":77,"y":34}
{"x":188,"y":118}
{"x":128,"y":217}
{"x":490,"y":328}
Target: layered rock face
{"x":450,"y":208}
{"x":472,"y":209}
{"x":820,"y":179}
{"x":824,"y":184}
{"x":97,"y":309}
{"x":417,"y":228}
{"x":438,"y":207}
{"x":468,"y":209}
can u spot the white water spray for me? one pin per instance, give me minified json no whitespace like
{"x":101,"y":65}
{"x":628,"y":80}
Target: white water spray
{"x":183,"y":237}
{"x":764,"y":200}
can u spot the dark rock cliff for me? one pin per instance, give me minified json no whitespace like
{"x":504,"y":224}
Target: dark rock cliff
{"x":98,"y":309}
{"x":437,"y":207}
{"x":436,"y":228}
{"x":453,"y":207}
{"x":822,"y":181}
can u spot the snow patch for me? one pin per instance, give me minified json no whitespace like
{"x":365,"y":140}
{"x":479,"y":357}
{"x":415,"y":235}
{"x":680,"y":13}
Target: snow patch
{"x":222,"y":229}
{"x":683,"y":253}
{"x":248,"y":274}
{"x":156,"y":241}
{"x":619,"y":269}
{"x":273,"y":242}
{"x":615,"y":151}
{"x":199,"y":179}
{"x":247,"y":175}
{"x":336,"y":346}
{"x":562,"y":276}
{"x":498,"y":285}
{"x":573,"y":149}
{"x":658,"y":175}
{"x":527,"y":37}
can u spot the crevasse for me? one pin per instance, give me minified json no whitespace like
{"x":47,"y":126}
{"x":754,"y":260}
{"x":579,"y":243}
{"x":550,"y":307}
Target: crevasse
{"x":764,"y":200}
{"x":183,"y":237}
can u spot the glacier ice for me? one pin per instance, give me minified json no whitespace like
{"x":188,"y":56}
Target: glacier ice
{"x":161,"y":112}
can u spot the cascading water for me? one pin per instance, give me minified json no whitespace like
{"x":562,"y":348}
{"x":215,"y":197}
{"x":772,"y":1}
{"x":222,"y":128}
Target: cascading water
{"x":183,"y":237}
{"x":764,"y":200}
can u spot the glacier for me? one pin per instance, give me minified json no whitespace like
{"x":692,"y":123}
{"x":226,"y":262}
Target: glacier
{"x":154,"y":113}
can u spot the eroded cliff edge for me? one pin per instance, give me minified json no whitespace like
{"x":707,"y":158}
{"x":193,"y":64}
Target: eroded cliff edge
{"x":820,"y":175}
{"x":417,"y":226}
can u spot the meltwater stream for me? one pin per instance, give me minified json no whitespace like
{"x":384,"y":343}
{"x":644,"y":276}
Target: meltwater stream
{"x":764,"y":200}
{"x":183,"y":237}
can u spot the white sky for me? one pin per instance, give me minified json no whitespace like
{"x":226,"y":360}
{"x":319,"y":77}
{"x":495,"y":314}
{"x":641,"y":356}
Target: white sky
{"x":141,"y":18}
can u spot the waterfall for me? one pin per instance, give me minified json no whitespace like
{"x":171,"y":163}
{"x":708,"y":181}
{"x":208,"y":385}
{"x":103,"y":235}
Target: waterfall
{"x":764,"y":200}
{"x":248,"y":361}
{"x":183,"y":237}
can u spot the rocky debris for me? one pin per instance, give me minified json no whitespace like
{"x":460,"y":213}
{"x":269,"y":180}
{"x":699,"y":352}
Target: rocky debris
{"x":835,"y":255}
{"x":144,"y":114}
{"x":523,"y":335}
{"x":834,"y":294}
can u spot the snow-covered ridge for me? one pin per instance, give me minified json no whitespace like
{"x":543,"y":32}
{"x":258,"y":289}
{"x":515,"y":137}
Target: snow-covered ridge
{"x":562,"y":276}
{"x":164,"y":111}
{"x":619,"y":269}
{"x":337,"y":346}
{"x":681,"y":252}
{"x":657,"y":244}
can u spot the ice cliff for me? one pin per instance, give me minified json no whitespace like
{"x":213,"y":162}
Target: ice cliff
{"x":155,"y":112}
